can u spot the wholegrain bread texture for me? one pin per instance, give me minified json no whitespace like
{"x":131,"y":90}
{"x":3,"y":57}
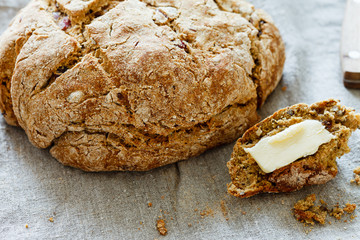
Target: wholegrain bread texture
{"x":134,"y":85}
{"x":247,"y":177}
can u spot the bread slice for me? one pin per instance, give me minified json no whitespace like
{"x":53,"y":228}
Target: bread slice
{"x":247,"y":177}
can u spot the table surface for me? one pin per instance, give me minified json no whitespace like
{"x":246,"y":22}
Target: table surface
{"x":190,"y":195}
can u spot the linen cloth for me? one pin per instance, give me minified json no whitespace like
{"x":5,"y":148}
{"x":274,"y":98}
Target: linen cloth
{"x":191,"y":195}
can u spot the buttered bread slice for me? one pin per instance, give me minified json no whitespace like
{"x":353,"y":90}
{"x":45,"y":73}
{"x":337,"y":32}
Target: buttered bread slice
{"x":295,"y":147}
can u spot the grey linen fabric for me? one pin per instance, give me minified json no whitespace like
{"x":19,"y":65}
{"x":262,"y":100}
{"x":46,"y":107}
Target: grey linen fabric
{"x":191,"y":195}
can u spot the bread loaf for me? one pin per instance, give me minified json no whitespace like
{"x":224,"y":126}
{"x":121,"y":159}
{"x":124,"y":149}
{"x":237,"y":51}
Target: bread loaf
{"x":134,"y":85}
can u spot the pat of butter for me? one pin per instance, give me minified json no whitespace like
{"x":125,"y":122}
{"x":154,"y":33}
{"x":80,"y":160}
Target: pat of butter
{"x":297,"y":141}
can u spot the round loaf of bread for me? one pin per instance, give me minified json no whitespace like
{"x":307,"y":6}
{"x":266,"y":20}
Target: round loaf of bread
{"x":134,"y":85}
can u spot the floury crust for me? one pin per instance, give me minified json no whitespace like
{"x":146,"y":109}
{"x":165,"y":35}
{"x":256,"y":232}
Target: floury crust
{"x":134,"y":85}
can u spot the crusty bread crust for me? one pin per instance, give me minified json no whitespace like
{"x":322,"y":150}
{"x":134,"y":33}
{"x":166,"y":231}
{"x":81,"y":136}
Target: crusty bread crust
{"x":247,"y":177}
{"x":133,"y":85}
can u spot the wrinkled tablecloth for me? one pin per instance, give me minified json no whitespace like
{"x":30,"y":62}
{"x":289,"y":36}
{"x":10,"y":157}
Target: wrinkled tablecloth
{"x":58,"y":202}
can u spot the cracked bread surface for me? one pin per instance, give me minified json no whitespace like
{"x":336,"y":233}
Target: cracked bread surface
{"x":134,"y":85}
{"x":247,"y":177}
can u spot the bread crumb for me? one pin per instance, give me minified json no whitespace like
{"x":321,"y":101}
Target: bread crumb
{"x":349,"y":208}
{"x":163,"y":197}
{"x":26,"y":225}
{"x":189,"y":225}
{"x":356,"y":176}
{"x":305,"y":211}
{"x":284,"y":88}
{"x":306,"y":203}
{"x":224,"y":210}
{"x":337,"y":212}
{"x":149,"y":204}
{"x":206,"y":212}
{"x":51,"y":219}
{"x":282,"y":202}
{"x":243,"y":213}
{"x":160,"y":225}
